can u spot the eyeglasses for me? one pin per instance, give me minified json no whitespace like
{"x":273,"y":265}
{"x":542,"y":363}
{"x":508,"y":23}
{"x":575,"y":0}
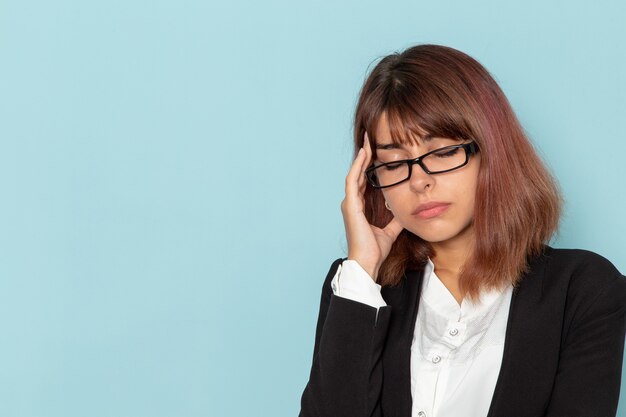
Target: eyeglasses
{"x":440,"y":160}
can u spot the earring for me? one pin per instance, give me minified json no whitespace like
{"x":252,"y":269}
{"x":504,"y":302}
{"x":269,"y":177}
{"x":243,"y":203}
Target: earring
{"x":387,"y":205}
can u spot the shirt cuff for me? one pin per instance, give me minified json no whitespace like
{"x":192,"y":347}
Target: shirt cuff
{"x":352,"y":282}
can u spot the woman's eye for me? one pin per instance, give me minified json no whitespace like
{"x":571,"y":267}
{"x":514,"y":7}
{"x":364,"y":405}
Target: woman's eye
{"x":392,"y":166}
{"x":446,"y":153}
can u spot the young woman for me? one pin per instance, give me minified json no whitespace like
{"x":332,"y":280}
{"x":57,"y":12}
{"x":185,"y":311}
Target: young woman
{"x":450,"y":303}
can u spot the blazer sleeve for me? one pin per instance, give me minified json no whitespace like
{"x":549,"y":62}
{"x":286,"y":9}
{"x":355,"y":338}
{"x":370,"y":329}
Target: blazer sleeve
{"x":590,"y":364}
{"x":346,"y":373}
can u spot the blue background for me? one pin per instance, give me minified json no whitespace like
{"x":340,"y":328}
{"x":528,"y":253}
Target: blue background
{"x":171,"y":174}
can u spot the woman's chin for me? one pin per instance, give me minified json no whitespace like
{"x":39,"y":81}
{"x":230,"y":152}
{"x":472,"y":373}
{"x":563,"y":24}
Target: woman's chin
{"x":436,"y":235}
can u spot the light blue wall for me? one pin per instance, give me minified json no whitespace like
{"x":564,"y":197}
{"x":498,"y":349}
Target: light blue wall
{"x":171,"y":174}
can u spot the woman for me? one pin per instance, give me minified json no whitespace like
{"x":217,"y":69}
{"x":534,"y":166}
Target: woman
{"x":450,"y":302}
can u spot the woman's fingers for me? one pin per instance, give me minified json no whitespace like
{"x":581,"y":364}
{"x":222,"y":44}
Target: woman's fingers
{"x":352,"y":179}
{"x":366,"y":163}
{"x":356,"y":180}
{"x":368,"y":147}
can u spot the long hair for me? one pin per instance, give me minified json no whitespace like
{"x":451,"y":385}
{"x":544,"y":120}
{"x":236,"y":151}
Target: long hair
{"x":446,"y":93}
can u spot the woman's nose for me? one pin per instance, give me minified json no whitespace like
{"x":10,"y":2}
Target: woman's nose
{"x":420,"y":181}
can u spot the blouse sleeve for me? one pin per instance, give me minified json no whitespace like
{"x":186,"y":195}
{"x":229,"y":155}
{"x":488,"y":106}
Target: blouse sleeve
{"x":353,"y":282}
{"x":346,"y":373}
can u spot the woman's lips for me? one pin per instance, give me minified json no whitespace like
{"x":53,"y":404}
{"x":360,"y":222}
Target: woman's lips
{"x":430,"y":210}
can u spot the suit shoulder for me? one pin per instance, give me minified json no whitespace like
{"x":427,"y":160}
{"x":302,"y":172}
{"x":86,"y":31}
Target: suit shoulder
{"x":581,"y":260}
{"x":588,"y":273}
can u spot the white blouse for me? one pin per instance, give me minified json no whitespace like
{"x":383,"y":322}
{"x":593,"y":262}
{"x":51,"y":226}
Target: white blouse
{"x":456,"y":351}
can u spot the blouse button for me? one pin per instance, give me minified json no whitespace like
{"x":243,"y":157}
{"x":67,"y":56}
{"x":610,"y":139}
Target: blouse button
{"x":453,"y":332}
{"x":436,"y":359}
{"x":421,"y":414}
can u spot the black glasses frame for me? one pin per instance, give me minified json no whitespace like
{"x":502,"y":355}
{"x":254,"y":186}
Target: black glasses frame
{"x":470,"y":148}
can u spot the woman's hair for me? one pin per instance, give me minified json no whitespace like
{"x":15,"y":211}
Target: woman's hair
{"x":443,"y":92}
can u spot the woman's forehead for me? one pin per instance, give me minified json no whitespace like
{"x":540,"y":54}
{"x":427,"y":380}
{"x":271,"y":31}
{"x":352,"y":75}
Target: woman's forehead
{"x":400,"y":132}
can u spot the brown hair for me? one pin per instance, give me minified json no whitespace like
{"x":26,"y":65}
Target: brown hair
{"x":444,"y":92}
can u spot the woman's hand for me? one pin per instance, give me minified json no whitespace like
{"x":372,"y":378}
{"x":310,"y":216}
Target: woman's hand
{"x":368,"y":245}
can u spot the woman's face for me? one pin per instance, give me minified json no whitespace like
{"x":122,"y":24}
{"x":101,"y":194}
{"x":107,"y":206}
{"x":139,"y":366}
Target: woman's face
{"x":438,"y":208}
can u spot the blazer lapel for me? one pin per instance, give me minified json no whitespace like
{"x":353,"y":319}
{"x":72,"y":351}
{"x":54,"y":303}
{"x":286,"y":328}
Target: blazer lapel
{"x":530,"y":349}
{"x":404,"y":300}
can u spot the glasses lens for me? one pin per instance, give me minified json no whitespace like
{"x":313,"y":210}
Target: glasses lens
{"x":391,"y":173}
{"x":445,"y":159}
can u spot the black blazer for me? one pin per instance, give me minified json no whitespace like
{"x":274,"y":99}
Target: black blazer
{"x":562,"y":354}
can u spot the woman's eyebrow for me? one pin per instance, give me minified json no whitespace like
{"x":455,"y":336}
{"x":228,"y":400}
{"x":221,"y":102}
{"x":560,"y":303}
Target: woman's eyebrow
{"x":392,"y":145}
{"x":387,"y":146}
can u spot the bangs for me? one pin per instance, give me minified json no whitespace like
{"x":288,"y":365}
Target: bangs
{"x":414,"y":113}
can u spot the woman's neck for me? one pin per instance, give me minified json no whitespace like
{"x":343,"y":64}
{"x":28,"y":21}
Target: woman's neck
{"x":449,"y":258}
